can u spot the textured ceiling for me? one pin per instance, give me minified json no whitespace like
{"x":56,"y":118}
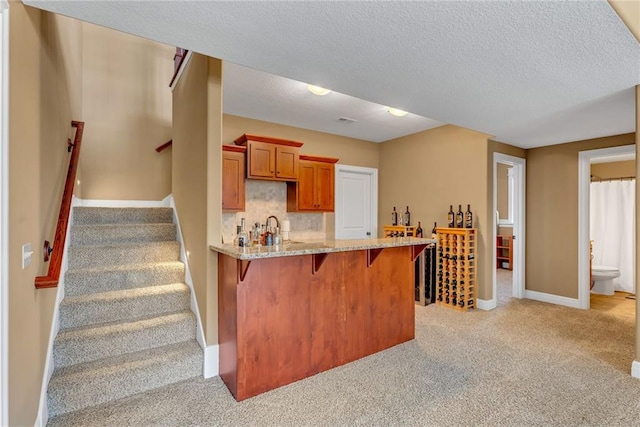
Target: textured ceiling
{"x":531,"y":73}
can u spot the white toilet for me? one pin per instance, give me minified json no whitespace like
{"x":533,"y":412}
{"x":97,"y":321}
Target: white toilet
{"x":603,"y":279}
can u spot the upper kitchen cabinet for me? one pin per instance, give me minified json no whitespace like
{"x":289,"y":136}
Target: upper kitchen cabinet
{"x":271,"y":158}
{"x":314,"y":191}
{"x":233,"y":161}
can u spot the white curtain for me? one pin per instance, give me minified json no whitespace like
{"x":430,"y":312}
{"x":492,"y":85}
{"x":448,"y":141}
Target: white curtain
{"x":612,"y":217}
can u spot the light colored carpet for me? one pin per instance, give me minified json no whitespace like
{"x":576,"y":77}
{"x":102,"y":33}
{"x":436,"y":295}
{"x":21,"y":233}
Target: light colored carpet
{"x":525,"y":363}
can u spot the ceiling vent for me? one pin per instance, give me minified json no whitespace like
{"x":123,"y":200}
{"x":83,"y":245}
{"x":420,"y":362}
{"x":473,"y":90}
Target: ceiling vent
{"x":346,"y":120}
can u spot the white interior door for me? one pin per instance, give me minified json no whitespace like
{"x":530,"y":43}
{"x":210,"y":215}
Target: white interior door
{"x":356,"y":204}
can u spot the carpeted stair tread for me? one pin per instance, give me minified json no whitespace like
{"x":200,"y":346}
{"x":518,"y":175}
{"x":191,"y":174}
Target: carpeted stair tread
{"x":95,"y":215}
{"x":123,"y":305}
{"x":105,"y":234}
{"x":88,"y":384}
{"x":93,"y":256}
{"x":82,"y":281}
{"x":84,"y":344}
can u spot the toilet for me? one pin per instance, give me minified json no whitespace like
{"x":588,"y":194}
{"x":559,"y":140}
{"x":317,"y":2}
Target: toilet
{"x":602,"y":277}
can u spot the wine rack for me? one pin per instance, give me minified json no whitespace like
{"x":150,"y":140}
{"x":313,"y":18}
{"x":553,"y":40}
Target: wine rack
{"x":399,"y":230}
{"x":456,"y":279}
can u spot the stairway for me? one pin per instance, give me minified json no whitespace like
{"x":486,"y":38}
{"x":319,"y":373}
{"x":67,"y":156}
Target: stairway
{"x":125,"y":322}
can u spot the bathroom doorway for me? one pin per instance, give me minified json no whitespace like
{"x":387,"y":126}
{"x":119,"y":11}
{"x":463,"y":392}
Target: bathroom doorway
{"x":508,"y":232}
{"x":605,"y":179}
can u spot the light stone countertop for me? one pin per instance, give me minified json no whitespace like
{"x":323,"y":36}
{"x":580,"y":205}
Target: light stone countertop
{"x":309,"y":247}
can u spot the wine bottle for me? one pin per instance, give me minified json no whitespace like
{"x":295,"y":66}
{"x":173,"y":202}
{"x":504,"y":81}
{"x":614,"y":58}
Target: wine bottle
{"x":451,"y":221}
{"x":394,"y":217}
{"x":468,"y":218}
{"x":419,"y":230}
{"x":407,"y":217}
{"x":434,"y":233}
{"x":459,"y":217}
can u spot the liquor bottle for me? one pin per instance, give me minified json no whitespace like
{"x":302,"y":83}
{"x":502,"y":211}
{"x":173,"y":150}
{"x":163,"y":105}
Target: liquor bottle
{"x":236,"y":241}
{"x":419,"y":230}
{"x":468,"y":218}
{"x":459,"y":217}
{"x":407,"y":217}
{"x":434,"y":233}
{"x":394,"y":217}
{"x":451,"y":221}
{"x":243,"y":236}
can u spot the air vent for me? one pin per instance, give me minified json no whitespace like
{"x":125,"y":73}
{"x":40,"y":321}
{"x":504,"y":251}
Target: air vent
{"x":346,"y":120}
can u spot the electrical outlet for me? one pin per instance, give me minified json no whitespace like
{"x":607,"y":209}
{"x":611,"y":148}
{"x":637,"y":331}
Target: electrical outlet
{"x":27,"y":254}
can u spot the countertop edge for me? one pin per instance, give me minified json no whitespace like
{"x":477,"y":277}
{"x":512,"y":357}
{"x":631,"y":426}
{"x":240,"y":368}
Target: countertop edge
{"x":311,"y":248}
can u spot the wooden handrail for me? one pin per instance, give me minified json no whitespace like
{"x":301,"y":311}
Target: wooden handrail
{"x":178,"y":59}
{"x":164,"y":146}
{"x":55,"y":264}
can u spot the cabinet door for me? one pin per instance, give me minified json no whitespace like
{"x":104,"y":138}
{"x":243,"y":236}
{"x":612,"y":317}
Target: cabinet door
{"x":287,"y":162}
{"x":306,"y":186}
{"x":262,"y":160}
{"x":232,"y":181}
{"x":325,"y":187}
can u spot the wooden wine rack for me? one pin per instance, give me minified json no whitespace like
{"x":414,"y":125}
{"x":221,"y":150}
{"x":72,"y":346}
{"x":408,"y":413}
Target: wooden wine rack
{"x":399,"y":230}
{"x":457,"y":261}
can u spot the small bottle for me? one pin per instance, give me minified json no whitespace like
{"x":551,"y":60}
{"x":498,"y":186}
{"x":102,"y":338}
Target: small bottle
{"x":468,"y":218}
{"x":407,"y":217}
{"x":459,"y":217}
{"x":451,"y":217}
{"x":419,"y":230}
{"x":243,"y":236}
{"x":236,"y":240}
{"x":434,"y":233}
{"x":394,"y":217}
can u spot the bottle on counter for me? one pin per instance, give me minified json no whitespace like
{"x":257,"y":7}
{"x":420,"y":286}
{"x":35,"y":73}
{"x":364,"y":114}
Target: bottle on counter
{"x":407,"y":217}
{"x":243,"y":236}
{"x":468,"y":218}
{"x":419,"y":230}
{"x":451,"y":217}
{"x":394,"y":217}
{"x":459,"y":217}
{"x":236,"y":240}
{"x":434,"y":233}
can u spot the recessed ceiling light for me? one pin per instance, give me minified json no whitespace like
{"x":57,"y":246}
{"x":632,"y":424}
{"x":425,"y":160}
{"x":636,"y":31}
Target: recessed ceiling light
{"x":317,"y":90}
{"x":396,"y":112}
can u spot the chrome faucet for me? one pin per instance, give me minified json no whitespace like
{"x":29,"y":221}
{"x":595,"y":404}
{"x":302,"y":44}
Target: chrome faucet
{"x":274,"y":217}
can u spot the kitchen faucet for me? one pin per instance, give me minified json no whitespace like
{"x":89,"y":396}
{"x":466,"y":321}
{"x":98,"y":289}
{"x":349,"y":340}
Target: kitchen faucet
{"x":274,"y":217}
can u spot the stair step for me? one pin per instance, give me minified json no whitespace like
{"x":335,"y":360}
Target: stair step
{"x":90,"y":215}
{"x":123,"y":305}
{"x":106,"y":234}
{"x":85,"y":344}
{"x":89,"y":384}
{"x":114,"y":278}
{"x":95,"y":256}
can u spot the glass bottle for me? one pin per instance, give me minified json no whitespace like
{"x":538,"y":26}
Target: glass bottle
{"x":243,"y":236}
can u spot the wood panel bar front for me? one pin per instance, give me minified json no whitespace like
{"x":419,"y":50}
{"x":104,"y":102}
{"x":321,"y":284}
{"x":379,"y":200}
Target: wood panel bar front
{"x":287,"y":321}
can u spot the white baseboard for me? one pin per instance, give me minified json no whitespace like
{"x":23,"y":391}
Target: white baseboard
{"x":486,"y":304}
{"x":635,"y":369}
{"x":211,"y":361}
{"x":43,"y":410}
{"x":97,"y":203}
{"x":552,"y":299}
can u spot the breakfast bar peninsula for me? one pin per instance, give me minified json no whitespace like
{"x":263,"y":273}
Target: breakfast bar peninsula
{"x":291,"y":311}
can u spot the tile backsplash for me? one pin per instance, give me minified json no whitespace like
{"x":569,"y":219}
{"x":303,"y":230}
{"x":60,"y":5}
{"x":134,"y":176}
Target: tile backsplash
{"x":265,"y":198}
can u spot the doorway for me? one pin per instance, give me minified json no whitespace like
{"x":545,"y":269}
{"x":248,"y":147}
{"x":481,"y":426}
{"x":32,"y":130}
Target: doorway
{"x":356,"y":202}
{"x":509,"y":250}
{"x":585,"y":160}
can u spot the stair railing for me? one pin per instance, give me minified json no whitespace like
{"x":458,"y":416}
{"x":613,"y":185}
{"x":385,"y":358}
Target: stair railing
{"x":55,"y":264}
{"x":164,"y":146}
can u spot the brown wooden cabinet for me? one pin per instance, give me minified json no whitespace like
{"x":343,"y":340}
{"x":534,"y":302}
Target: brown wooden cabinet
{"x":271,"y":158}
{"x":314,"y":190}
{"x":233,"y":164}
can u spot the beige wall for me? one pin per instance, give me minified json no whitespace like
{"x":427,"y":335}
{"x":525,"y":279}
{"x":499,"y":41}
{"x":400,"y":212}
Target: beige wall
{"x":623,"y":169}
{"x":552,"y":214}
{"x":629,"y":12}
{"x":43,"y":101}
{"x":431,"y":170}
{"x":127,"y":109}
{"x":350,"y":151}
{"x":197,"y":129}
